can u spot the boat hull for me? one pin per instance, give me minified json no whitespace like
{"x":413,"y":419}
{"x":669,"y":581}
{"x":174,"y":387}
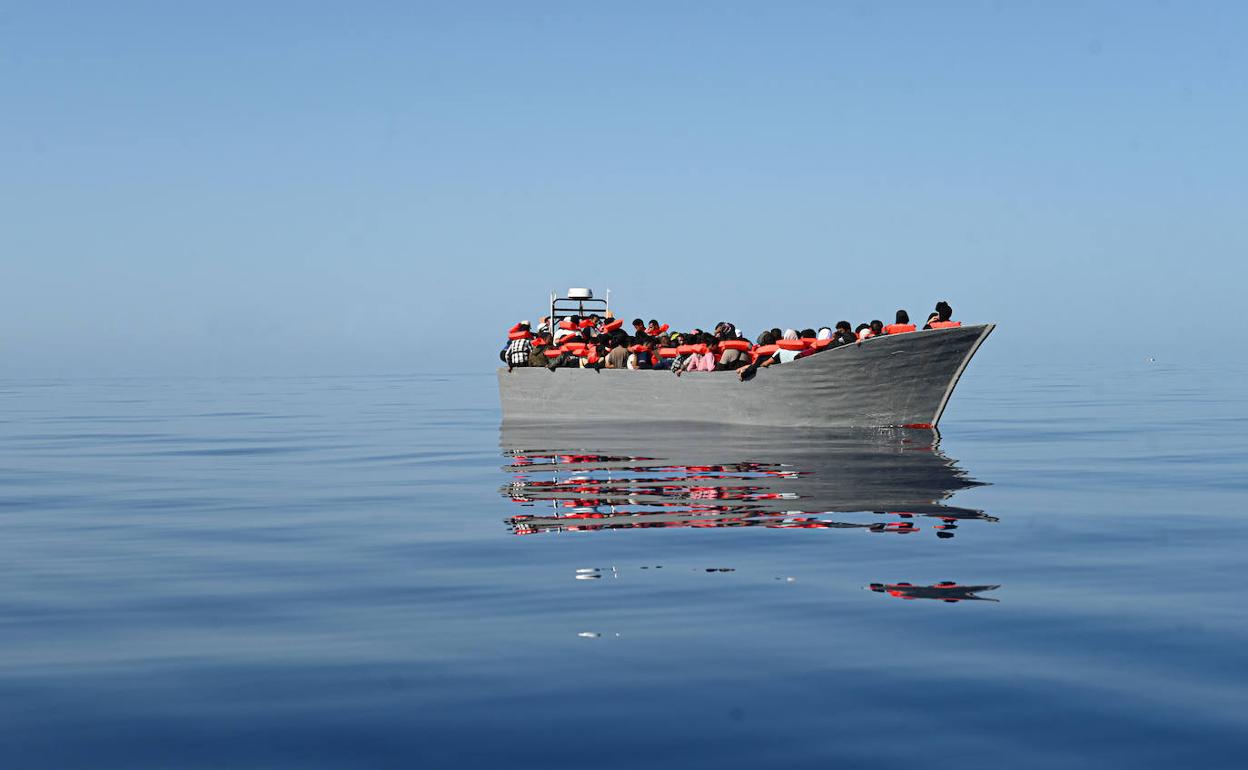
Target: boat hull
{"x":889,"y":381}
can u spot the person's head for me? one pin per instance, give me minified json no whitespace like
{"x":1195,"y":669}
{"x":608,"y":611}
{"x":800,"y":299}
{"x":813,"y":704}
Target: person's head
{"x":653,"y":324}
{"x":523,"y":326}
{"x":877,"y":326}
{"x":903,"y":317}
{"x":766,"y":338}
{"x":860,"y":327}
{"x":639,"y":324}
{"x":943,"y":310}
{"x":807,"y":334}
{"x":824,"y":334}
{"x":776,"y":333}
{"x":933,"y":318}
{"x":843,"y":326}
{"x":790,"y":334}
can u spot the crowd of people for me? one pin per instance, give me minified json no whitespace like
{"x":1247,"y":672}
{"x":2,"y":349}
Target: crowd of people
{"x":603,"y":343}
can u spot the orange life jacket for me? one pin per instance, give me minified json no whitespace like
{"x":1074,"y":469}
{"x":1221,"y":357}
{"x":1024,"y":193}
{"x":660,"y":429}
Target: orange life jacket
{"x":790,"y":344}
{"x":617,"y":323}
{"x":899,"y":328}
{"x":945,"y":324}
{"x":734,"y":345}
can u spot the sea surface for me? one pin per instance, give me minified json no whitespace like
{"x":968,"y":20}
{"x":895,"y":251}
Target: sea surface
{"x":366,"y":572}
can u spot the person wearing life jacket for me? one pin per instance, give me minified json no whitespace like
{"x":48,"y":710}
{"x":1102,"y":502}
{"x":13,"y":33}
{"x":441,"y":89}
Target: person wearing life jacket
{"x":737,"y":352}
{"x":863,"y":332}
{"x":944,"y":312}
{"x":566,"y":326}
{"x":519,"y":348}
{"x":537,"y":354}
{"x":877,"y":328}
{"x":823,"y":340}
{"x":902,"y":324}
{"x":765,"y":340}
{"x":699,"y":362}
{"x":639,"y":352}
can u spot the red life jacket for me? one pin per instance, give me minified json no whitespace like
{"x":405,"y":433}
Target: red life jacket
{"x":899,"y":328}
{"x":790,"y":344}
{"x":945,"y":324}
{"x":734,"y":345}
{"x":617,"y":323}
{"x":519,"y":335}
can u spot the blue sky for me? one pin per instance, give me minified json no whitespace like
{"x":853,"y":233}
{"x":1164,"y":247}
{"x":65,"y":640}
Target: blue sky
{"x":296,"y":188}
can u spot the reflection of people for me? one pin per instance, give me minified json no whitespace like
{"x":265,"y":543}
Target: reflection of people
{"x":945,"y":591}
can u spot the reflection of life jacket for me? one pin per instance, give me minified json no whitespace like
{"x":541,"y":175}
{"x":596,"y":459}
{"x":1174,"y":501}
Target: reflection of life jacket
{"x":945,"y":324}
{"x":899,"y":328}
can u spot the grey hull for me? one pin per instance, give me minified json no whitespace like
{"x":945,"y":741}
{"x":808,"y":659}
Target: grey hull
{"x":896,"y":380}
{"x":715,"y":475}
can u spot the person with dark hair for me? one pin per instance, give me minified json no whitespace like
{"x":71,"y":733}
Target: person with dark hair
{"x":518,"y":349}
{"x":617,"y":353}
{"x":568,"y":326}
{"x":862,"y":332}
{"x":902,"y":324}
{"x":766,"y":339}
{"x":943,"y":313}
{"x":699,"y":362}
{"x":639,"y":327}
{"x":730,"y":358}
{"x":537,"y":355}
{"x":641,"y":355}
{"x":877,"y":328}
{"x":843,"y":335}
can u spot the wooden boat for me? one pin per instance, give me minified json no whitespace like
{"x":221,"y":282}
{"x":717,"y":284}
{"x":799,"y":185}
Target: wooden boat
{"x":902,"y":380}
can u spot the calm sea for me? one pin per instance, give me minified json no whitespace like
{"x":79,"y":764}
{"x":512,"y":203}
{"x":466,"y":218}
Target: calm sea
{"x":366,"y":572}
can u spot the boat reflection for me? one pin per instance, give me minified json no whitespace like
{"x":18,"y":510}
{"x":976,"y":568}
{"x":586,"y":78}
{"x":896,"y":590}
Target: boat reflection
{"x":946,"y":591}
{"x":881,"y":482}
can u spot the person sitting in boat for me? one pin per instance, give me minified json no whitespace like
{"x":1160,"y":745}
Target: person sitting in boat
{"x":570,"y":325}
{"x":617,"y":353}
{"x":943,"y":315}
{"x":901,"y":325}
{"x":537,"y":354}
{"x":519,"y":348}
{"x":732,"y":358}
{"x":695,"y":361}
{"x":765,"y":340}
{"x":877,"y":328}
{"x":641,"y":353}
{"x":862,"y":332}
